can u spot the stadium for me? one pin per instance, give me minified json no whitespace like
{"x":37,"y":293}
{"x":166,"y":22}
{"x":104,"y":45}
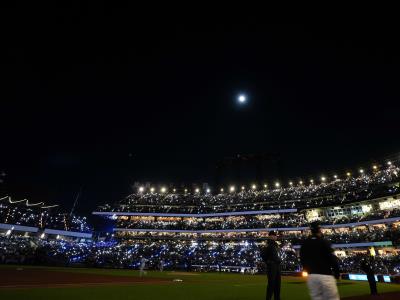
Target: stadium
{"x":187,"y":238}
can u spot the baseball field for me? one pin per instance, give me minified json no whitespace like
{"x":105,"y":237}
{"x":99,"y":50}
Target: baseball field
{"x":20,"y":283}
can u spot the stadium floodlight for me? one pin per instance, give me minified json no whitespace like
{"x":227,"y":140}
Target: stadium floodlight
{"x":290,"y":183}
{"x":323,"y":178}
{"x":232,"y":188}
{"x":348,"y":174}
{"x":374,"y":167}
{"x":301,"y":181}
{"x":242,"y":187}
{"x":152,"y":190}
{"x":253,"y":186}
{"x":163,"y":189}
{"x":208,"y":190}
{"x":141,"y":189}
{"x":222,"y":190}
{"x":197,"y":190}
{"x":361,"y":171}
{"x":277,"y":184}
{"x":174,"y":190}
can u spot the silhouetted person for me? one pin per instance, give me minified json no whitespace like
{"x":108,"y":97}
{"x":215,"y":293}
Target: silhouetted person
{"x":319,"y":261}
{"x":272,"y":259}
{"x":367,"y":266}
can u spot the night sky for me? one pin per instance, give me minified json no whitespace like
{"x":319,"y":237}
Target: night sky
{"x":100,"y":98}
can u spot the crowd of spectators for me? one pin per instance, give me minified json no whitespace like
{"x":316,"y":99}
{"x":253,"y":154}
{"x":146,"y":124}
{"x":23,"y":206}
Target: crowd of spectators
{"x":305,"y":195}
{"x":245,"y":221}
{"x":19,"y":213}
{"x":174,"y":254}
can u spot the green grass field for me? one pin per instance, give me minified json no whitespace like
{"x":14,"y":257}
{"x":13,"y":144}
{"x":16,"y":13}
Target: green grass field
{"x":199,"y":286}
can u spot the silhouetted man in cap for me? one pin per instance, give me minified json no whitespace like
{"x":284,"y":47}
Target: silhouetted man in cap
{"x":367,"y":266}
{"x":271,"y":257}
{"x":321,"y":264}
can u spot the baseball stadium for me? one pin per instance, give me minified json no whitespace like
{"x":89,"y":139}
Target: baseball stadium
{"x":204,"y":242}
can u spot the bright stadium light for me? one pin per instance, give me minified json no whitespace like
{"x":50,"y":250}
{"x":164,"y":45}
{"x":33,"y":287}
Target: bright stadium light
{"x":253,"y":186}
{"x":242,"y":187}
{"x":141,"y":189}
{"x":361,"y":171}
{"x":335,"y":176}
{"x":389,"y":163}
{"x":222,"y":190}
{"x":265,"y":186}
{"x":374,"y":167}
{"x":312,"y":180}
{"x":277,"y":184}
{"x":290,"y":183}
{"x":163,"y":189}
{"x":152,"y":190}
{"x":348,"y":174}
{"x":197,"y":190}
{"x":232,"y":188}
{"x":174,"y":190}
{"x":301,"y":181}
{"x":323,"y":178}
{"x":208,"y":191}
{"x":185,"y":190}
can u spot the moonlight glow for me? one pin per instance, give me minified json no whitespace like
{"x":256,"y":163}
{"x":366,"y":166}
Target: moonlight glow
{"x":242,"y":98}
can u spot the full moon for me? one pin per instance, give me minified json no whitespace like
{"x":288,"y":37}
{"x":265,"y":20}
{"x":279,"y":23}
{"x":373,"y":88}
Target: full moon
{"x":242,"y":98}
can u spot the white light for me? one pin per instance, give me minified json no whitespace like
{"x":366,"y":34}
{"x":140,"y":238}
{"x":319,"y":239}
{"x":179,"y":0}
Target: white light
{"x":58,"y":237}
{"x":197,"y":190}
{"x":389,"y":163}
{"x":42,"y":235}
{"x":163,"y":190}
{"x":312,"y":180}
{"x":141,"y":189}
{"x":265,"y":186}
{"x":290,"y":183}
{"x":152,"y":190}
{"x":185,"y":190}
{"x":335,"y":176}
{"x":374,"y":167}
{"x":242,"y":98}
{"x":174,"y":190}
{"x":208,"y":190}
{"x":222,"y":190}
{"x":277,"y":184}
{"x":348,"y":174}
{"x":323,"y":178}
{"x":253,"y":186}
{"x":361,"y":171}
{"x":8,"y":232}
{"x":301,"y":181}
{"x":232,"y":188}
{"x":242,"y":187}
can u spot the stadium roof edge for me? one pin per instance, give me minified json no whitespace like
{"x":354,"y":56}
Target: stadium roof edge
{"x":234,"y":213}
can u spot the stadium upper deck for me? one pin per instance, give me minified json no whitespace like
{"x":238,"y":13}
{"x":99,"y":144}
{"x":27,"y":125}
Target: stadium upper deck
{"x":339,"y":191}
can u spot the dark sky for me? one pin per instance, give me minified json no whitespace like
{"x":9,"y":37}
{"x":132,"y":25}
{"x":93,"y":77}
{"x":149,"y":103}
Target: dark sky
{"x":101,"y":97}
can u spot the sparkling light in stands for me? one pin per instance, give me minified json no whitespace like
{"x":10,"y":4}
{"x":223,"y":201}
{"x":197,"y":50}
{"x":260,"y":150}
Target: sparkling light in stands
{"x":232,"y":188}
{"x":197,"y":190}
{"x":254,"y":187}
{"x":141,"y":189}
{"x":361,"y":171}
{"x":323,"y":178}
{"x":277,"y":184}
{"x":163,"y":189}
